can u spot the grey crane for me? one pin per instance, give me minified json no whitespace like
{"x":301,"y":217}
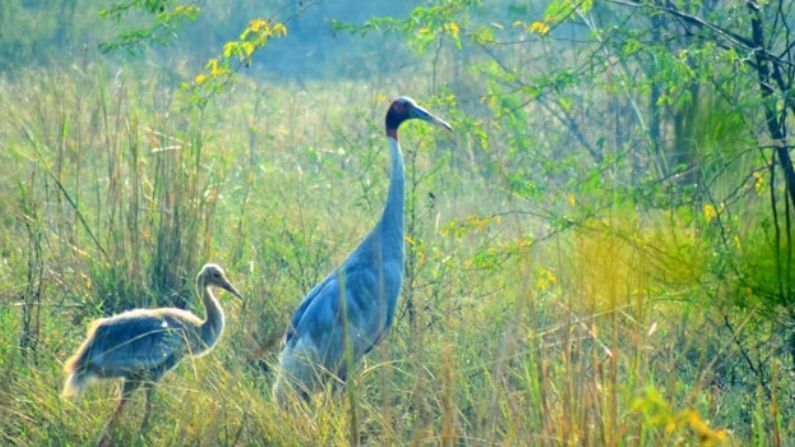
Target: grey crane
{"x":353,"y":308}
{"x":140,"y":346}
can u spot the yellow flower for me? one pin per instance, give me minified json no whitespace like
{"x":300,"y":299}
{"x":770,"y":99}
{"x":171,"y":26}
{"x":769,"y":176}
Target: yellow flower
{"x":759,"y":183}
{"x":258,"y":25}
{"x":452,"y":28}
{"x":545,"y":280}
{"x":538,"y":27}
{"x":279,"y":29}
{"x":710,"y":212}
{"x":706,"y":435}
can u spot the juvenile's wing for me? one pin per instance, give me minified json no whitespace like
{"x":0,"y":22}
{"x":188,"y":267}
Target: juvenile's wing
{"x":128,"y":344}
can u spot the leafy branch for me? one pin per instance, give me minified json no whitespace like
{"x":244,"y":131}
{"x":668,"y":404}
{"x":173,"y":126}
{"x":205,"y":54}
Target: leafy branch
{"x":236,"y":54}
{"x":422,"y":27}
{"x":168,"y":20}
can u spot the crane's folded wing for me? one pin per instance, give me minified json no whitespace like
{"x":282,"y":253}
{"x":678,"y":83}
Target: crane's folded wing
{"x":299,"y":313}
{"x":320,"y":316}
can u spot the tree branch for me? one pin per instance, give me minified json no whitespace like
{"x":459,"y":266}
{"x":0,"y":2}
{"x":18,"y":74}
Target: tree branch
{"x":740,"y":42}
{"x":771,"y":118}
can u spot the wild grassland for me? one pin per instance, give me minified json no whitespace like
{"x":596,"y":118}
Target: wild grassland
{"x":513,"y":329}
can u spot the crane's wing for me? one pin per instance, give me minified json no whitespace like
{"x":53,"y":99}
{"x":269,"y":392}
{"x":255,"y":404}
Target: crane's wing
{"x":320,"y":316}
{"x":135,"y":343}
{"x":296,"y":318}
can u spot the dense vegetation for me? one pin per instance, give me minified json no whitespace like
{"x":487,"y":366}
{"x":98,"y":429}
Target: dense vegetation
{"x":599,"y":254}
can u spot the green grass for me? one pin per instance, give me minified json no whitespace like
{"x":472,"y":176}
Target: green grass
{"x":509,"y":331}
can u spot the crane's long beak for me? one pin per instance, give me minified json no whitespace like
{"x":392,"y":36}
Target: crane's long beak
{"x":231,"y":289}
{"x":420,"y":113}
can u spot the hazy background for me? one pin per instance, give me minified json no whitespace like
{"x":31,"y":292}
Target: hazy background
{"x":600,"y":253}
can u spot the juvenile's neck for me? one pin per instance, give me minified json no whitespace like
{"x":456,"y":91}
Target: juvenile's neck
{"x":213,"y":324}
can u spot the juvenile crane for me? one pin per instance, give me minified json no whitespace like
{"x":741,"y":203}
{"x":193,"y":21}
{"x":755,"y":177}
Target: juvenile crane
{"x":140,"y":346}
{"x":357,"y":300}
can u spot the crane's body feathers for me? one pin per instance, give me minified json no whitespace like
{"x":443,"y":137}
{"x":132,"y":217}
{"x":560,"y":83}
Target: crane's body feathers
{"x":358,"y":299}
{"x":321,"y":314}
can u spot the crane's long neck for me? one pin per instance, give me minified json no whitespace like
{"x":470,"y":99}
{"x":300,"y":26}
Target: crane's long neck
{"x":213,"y":323}
{"x":390,"y":226}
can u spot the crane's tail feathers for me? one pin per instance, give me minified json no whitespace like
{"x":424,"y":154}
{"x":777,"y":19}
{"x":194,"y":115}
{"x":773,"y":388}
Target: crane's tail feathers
{"x":298,"y":375}
{"x":75,"y":384}
{"x":281,"y":392}
{"x":287,"y":393}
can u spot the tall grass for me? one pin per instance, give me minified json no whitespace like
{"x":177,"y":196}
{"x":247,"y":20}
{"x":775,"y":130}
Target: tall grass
{"x":510,"y":330}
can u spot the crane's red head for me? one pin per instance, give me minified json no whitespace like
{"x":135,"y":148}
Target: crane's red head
{"x":404,"y":108}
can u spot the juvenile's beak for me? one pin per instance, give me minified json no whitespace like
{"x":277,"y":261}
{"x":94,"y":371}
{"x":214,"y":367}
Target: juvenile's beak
{"x":420,"y":113}
{"x":231,"y":289}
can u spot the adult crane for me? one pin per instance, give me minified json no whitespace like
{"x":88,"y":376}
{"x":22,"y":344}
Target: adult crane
{"x":350,"y":312}
{"x":140,"y":346}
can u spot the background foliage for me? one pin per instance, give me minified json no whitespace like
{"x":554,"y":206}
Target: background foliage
{"x":600,"y":254}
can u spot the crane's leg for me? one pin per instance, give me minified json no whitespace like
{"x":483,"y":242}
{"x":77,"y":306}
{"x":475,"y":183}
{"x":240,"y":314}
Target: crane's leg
{"x":149,"y":387}
{"x":339,"y":380}
{"x":126,"y":390}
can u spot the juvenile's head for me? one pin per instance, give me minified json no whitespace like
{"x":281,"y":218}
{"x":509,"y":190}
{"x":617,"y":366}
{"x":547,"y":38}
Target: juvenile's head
{"x":213,"y":275}
{"x":403,"y":109}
